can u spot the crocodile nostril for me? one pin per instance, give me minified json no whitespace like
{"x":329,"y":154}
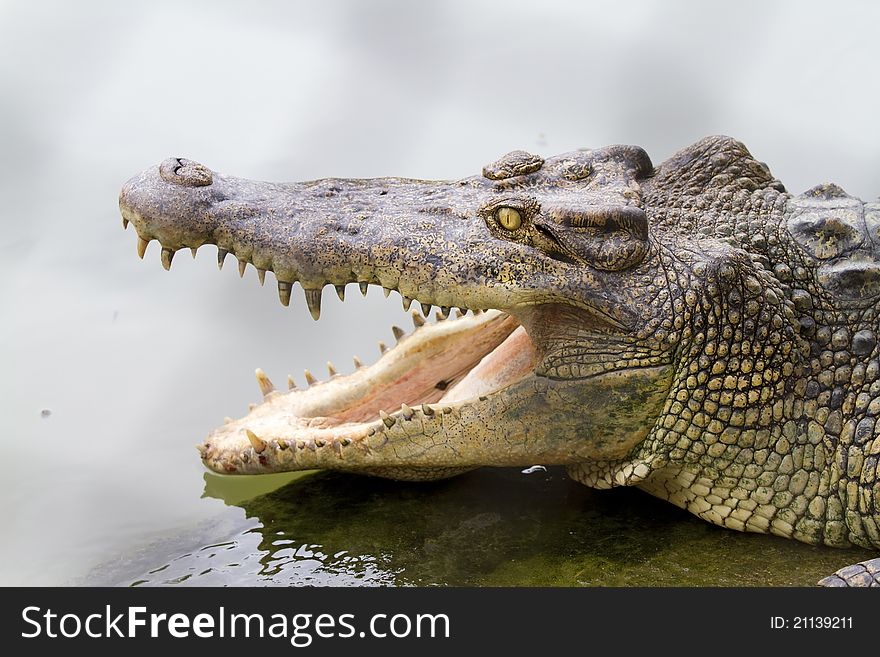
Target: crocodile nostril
{"x":187,"y":173}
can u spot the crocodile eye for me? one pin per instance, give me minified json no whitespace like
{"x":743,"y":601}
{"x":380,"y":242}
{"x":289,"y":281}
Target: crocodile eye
{"x":509,"y":218}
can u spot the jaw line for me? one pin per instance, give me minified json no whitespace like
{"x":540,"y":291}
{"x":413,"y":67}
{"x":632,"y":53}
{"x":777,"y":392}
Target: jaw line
{"x":438,"y":369}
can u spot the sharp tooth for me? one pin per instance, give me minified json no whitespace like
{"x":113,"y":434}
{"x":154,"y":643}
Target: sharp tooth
{"x":266,"y":385}
{"x":291,"y":385}
{"x":417,"y":319}
{"x":363,"y":285}
{"x":242,"y":265}
{"x":398,"y":332}
{"x":124,"y":223}
{"x":331,"y":369}
{"x":477,"y":312}
{"x":167,"y":255}
{"x":340,"y":292}
{"x":256,"y":442}
{"x":386,"y":291}
{"x":427,"y":410}
{"x":313,"y":301}
{"x":193,"y":250}
{"x":382,"y":347}
{"x":221,"y":256}
{"x":406,"y":411}
{"x":283,"y":444}
{"x":387,"y":419}
{"x":261,"y":274}
{"x":142,"y":246}
{"x":319,"y":442}
{"x":284,"y":292}
{"x":357,"y":363}
{"x":426,"y":309}
{"x":407,"y":302}
{"x":311,"y":380}
{"x":444,"y":312}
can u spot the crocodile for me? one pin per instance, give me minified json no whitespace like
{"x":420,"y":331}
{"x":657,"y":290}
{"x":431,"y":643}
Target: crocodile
{"x":692,"y":328}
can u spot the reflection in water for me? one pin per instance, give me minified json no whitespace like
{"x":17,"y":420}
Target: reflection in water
{"x":490,"y":527}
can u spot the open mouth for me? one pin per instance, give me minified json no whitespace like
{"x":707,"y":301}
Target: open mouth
{"x":439,"y":369}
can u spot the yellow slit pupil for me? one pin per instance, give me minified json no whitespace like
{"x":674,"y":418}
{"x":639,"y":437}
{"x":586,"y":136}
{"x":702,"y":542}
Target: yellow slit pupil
{"x":509,"y":218}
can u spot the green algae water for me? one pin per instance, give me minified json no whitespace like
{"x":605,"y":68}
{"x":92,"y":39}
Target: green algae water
{"x":486,"y":528}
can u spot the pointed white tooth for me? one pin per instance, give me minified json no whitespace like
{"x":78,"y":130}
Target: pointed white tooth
{"x":261,"y":274}
{"x":331,"y":369}
{"x":427,"y":410}
{"x":444,"y":312}
{"x":256,"y":442}
{"x":242,"y":265}
{"x":363,"y":285}
{"x":142,"y":246}
{"x":266,"y":385}
{"x":386,"y":291}
{"x":406,"y":411}
{"x":382,"y":347}
{"x":357,"y":362}
{"x":311,"y":380}
{"x":221,"y":256}
{"x":284,"y":289}
{"x":167,"y":255}
{"x":124,"y":223}
{"x":458,"y":313}
{"x":407,"y":302}
{"x":426,"y":309}
{"x":193,"y":250}
{"x":387,"y":419}
{"x":398,"y":332}
{"x":291,"y":384}
{"x":313,"y":301}
{"x":417,"y":319}
{"x":340,"y":292}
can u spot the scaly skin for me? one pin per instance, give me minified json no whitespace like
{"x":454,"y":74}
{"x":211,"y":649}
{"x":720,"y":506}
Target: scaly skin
{"x":691,"y":329}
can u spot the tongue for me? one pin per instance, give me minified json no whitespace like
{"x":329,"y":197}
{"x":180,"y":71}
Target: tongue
{"x":510,"y":361}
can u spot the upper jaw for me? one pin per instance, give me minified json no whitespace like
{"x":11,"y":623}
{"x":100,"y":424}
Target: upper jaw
{"x":425,"y":239}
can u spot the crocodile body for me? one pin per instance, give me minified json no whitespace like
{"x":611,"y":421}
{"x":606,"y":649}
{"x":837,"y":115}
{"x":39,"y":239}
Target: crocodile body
{"x":691,"y":329}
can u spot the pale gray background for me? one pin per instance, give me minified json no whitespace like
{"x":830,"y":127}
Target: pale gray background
{"x":136,"y":364}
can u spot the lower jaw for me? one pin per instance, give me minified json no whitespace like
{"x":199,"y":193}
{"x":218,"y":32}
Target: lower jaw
{"x":460,"y":394}
{"x":432,"y":383}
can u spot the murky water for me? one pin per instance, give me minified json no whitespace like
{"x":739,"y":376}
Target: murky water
{"x":486,"y":528}
{"x":114,"y":369}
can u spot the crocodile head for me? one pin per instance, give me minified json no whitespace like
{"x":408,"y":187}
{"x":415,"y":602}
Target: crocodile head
{"x":639,"y":325}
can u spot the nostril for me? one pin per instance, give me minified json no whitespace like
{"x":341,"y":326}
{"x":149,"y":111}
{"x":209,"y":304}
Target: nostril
{"x":187,"y":173}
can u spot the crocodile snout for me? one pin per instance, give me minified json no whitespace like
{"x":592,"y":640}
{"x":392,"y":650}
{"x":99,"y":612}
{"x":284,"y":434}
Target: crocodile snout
{"x":187,"y":173}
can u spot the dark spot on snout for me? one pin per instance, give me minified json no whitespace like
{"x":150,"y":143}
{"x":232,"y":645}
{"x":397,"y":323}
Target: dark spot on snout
{"x":186,"y":173}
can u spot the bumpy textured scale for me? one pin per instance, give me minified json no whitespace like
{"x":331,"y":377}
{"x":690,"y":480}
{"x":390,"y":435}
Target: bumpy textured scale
{"x":692,"y":329}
